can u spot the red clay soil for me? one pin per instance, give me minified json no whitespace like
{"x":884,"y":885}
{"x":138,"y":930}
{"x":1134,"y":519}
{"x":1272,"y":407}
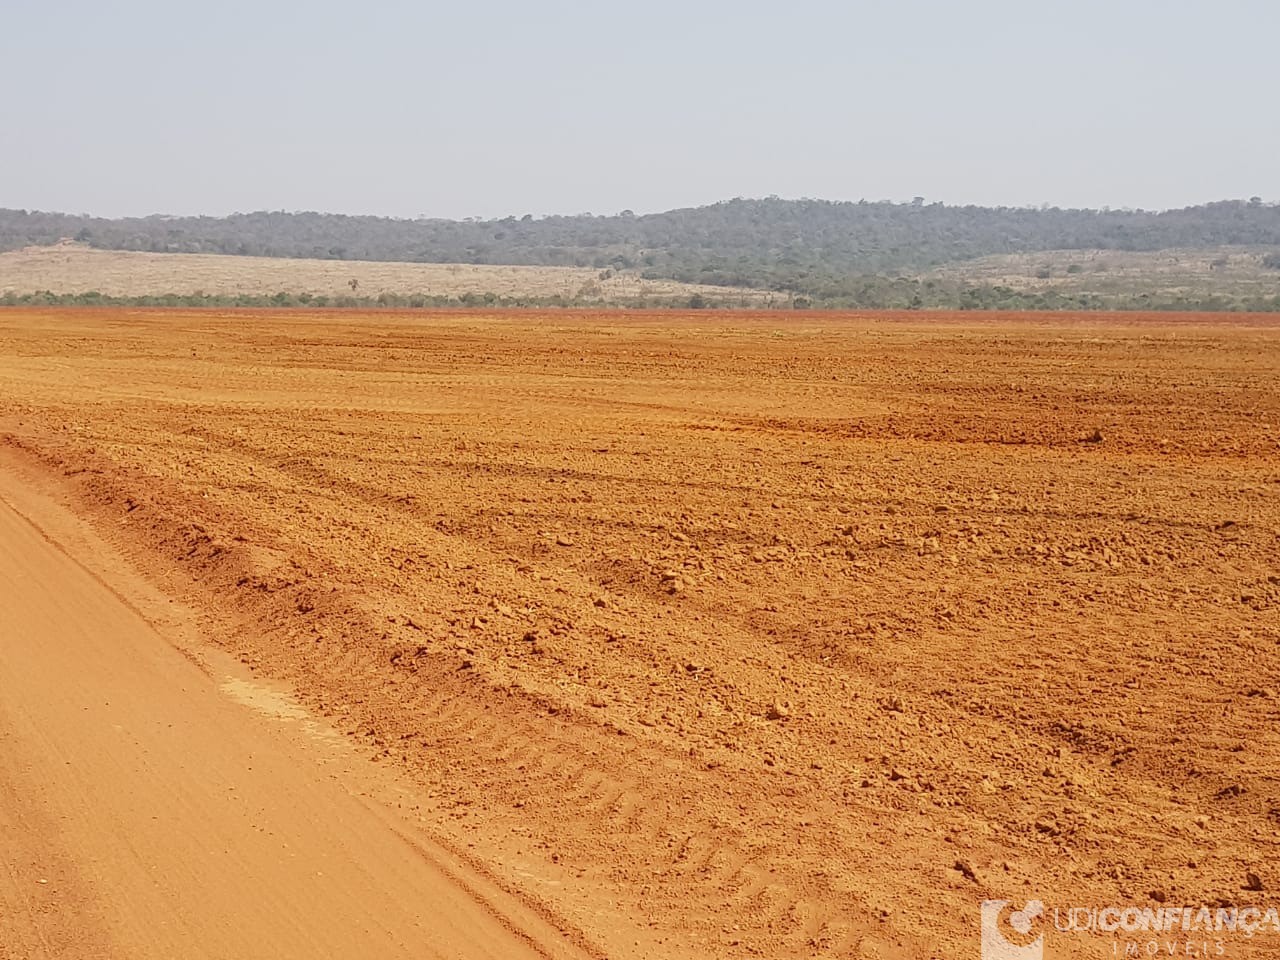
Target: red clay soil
{"x":729,"y":634}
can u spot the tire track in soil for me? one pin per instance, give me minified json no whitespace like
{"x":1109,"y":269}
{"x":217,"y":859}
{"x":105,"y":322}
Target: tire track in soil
{"x":765,"y":899}
{"x":714,"y":878}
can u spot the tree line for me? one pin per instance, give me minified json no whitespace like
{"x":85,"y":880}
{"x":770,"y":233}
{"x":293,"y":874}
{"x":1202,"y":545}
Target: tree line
{"x":815,"y":250}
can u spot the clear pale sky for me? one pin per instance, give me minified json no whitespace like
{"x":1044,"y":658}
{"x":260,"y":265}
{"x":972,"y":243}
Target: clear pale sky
{"x":488,"y":109}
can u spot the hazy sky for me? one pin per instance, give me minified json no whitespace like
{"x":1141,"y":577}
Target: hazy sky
{"x":488,"y":109}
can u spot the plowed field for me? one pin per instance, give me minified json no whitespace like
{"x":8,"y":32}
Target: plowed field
{"x":730,"y":634}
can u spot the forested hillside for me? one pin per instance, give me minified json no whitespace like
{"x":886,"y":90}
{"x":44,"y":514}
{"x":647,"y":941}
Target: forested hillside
{"x":826,"y":251}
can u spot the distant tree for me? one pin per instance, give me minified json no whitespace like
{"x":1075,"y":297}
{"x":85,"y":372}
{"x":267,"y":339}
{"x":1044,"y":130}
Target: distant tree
{"x":354,"y":284}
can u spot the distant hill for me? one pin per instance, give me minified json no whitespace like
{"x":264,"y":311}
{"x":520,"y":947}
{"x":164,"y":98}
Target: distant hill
{"x":821,"y":251}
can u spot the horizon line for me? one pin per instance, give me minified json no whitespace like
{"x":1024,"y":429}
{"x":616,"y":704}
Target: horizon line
{"x":920,"y":202}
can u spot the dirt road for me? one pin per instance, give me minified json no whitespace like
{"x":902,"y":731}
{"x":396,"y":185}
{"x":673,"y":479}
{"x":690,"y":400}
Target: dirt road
{"x":145,"y":813}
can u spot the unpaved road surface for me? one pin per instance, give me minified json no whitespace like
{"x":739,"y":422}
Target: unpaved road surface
{"x":146,"y":814}
{"x":719,"y":635}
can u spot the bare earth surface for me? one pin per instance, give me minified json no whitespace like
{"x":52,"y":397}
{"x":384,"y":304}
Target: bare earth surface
{"x":145,"y":813}
{"x":683,"y":636}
